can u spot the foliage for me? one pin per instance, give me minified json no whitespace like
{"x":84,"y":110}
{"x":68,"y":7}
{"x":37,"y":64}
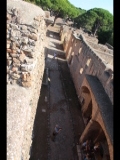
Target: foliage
{"x":104,"y":36}
{"x":63,"y":7}
{"x":94,"y":18}
{"x":97,"y":20}
{"x":110,"y":41}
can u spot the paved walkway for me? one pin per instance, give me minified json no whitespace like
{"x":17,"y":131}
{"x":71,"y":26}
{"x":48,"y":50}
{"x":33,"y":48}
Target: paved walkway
{"x":61,"y":108}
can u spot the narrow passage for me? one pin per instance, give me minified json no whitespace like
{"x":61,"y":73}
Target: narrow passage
{"x":62,"y":108}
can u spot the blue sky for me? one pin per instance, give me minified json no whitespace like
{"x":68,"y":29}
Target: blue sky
{"x":89,"y":4}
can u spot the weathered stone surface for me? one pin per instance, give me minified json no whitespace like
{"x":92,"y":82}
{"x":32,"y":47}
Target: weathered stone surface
{"x":37,"y":18}
{"x":8,"y":16}
{"x":8,"y":25}
{"x":8,"y":41}
{"x":17,"y":43}
{"x":29,"y":61}
{"x":26,"y":77}
{"x":19,"y":20}
{"x":29,"y":53}
{"x":26,"y":84}
{"x":13,"y":39}
{"x":47,"y":14}
{"x":14,"y":11}
{"x":8,"y":36}
{"x":9,"y":62}
{"x":26,"y":67}
{"x":16,"y":64}
{"x":8,"y":45}
{"x":15,"y":76}
{"x":7,"y":69}
{"x":32,"y":30}
{"x":15,"y":34}
{"x":33,"y":36}
{"x":12,"y":51}
{"x":22,"y":56}
{"x":9,"y":50}
{"x":14,"y":26}
{"x":25,"y":46}
{"x":24,"y":40}
{"x":15,"y":69}
{"x":23,"y":27}
{"x":19,"y":116}
{"x":7,"y":55}
{"x":13,"y":45}
{"x":15,"y":60}
{"x":25,"y":33}
{"x":31,"y":42}
{"x":13,"y":55}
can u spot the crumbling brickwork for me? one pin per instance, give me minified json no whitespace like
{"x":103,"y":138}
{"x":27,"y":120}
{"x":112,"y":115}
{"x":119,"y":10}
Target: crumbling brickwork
{"x":91,"y":67}
{"x":25,"y":67}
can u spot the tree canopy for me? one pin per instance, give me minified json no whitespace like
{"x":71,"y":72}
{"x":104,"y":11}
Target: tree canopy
{"x":97,"y":20}
{"x":64,"y":7}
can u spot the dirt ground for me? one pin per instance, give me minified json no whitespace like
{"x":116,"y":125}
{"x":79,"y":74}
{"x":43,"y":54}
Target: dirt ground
{"x":61,"y":107}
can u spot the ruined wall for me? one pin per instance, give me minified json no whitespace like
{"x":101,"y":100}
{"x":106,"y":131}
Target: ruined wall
{"x":26,"y":31}
{"x":84,"y":59}
{"x":84,"y":56}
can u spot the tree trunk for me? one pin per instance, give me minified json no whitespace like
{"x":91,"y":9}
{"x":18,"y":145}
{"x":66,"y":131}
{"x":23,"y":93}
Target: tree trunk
{"x":54,"y":21}
{"x":96,"y":29}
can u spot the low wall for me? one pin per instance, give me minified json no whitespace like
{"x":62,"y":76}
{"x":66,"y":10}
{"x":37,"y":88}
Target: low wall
{"x":26,"y":31}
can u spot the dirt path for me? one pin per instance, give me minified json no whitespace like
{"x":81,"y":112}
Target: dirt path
{"x":62,"y":108}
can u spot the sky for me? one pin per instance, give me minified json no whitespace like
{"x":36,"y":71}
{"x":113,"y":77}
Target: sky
{"x":89,"y":4}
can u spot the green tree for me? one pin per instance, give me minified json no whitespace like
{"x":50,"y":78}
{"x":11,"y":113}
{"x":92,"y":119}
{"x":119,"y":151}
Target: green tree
{"x":110,"y":41}
{"x":104,"y":36}
{"x":94,"y":19}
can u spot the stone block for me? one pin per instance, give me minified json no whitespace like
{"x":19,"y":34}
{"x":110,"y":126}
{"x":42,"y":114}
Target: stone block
{"x":33,"y":36}
{"x":9,"y":62}
{"x":22,"y":57}
{"x":25,"y":67}
{"x":14,"y":26}
{"x":24,"y":40}
{"x":8,"y":16}
{"x":8,"y":45}
{"x":13,"y":39}
{"x":15,"y":60}
{"x":9,"y":50}
{"x":29,"y":53}
{"x":13,"y":55}
{"x":15,"y":76}
{"x":26,"y":84}
{"x":23,"y":27}
{"x":13,"y":45}
{"x":15,"y":69}
{"x":37,"y":18}
{"x":7,"y":69}
{"x":32,"y":30}
{"x":29,"y":77}
{"x":24,"y":77}
{"x":31,"y":42}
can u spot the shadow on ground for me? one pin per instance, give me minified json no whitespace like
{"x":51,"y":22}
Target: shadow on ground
{"x":40,"y":146}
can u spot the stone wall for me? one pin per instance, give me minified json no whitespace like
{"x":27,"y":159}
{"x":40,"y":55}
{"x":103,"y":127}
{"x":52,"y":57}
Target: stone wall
{"x":25,"y":67}
{"x":84,"y":59}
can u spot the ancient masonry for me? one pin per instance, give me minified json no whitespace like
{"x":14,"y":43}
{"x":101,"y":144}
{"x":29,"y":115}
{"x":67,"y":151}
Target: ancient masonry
{"x":91,"y":67}
{"x":25,"y":67}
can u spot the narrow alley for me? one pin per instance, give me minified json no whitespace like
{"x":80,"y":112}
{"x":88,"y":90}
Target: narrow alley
{"x":58,"y":104}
